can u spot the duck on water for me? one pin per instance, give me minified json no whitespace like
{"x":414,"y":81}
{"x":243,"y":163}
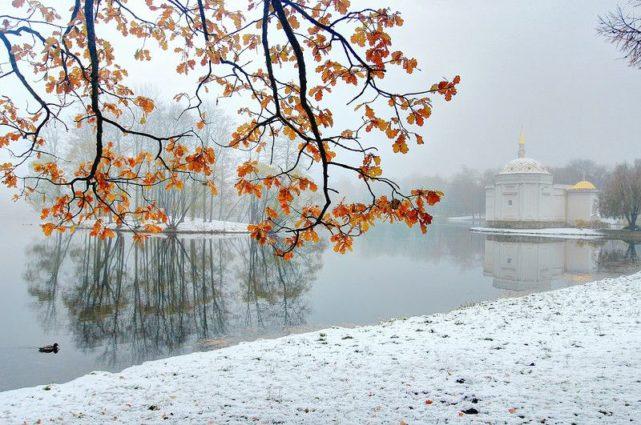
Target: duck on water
{"x":49,"y":348}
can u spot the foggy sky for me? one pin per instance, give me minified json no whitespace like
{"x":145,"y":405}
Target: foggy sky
{"x":537,"y":64}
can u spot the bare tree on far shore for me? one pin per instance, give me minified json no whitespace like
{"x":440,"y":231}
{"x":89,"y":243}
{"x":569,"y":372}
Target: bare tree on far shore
{"x":623,"y":29}
{"x":621,"y":195}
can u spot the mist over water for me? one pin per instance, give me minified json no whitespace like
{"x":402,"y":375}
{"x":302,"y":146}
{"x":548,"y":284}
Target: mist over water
{"x":111,"y":305}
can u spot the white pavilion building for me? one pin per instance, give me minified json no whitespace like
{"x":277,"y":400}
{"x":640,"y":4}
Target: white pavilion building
{"x":524,"y":196}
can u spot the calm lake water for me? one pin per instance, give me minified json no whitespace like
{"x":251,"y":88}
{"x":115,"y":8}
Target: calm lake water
{"x":110,"y":304}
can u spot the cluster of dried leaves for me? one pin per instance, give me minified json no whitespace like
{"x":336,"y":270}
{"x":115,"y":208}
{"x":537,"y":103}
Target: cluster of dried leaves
{"x":281,"y":58}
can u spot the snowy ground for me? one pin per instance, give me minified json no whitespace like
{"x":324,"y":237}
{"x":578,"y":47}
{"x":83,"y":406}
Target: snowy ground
{"x":465,"y":218}
{"x":566,"y":356}
{"x":563,"y":232}
{"x":191,"y":226}
{"x":215,"y":226}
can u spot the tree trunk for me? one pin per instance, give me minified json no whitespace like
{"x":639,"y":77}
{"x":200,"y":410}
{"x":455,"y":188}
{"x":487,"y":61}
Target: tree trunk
{"x":632,"y":221}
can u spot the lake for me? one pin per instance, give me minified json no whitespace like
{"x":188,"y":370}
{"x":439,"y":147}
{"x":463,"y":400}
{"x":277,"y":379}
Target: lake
{"x":111,"y":304}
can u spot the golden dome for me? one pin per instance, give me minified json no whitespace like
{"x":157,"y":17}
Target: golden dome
{"x":584,"y":185}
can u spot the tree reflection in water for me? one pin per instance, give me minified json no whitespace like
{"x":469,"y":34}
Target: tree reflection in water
{"x":44,"y":268}
{"x":171,"y":295}
{"x":620,"y":257}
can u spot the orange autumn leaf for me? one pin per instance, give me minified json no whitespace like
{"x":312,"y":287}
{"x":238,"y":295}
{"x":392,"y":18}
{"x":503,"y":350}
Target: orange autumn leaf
{"x":213,"y":189}
{"x":152,"y":228}
{"x":107,"y":233}
{"x":260,"y":231}
{"x":48,"y":228}
{"x":140,"y":238}
{"x":342,"y":243}
{"x":271,"y":213}
{"x":146,"y":104}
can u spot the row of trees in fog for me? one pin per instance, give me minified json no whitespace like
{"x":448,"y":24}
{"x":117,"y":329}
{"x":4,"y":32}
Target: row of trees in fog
{"x":196,"y":199}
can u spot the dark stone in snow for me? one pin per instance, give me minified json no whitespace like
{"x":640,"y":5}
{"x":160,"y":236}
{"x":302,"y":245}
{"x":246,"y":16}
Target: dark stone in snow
{"x":154,"y":407}
{"x":460,"y":381}
{"x":471,"y":411}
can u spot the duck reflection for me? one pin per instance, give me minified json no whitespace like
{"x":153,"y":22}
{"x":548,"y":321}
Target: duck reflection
{"x":171,"y":295}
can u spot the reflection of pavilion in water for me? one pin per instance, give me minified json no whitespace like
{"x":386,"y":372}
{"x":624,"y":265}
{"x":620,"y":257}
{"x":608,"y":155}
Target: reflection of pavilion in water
{"x":532,"y":264}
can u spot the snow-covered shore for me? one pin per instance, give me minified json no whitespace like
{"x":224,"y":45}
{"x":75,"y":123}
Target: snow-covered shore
{"x":215,"y":226}
{"x":188,"y":226}
{"x":465,"y":218}
{"x":564,"y":356}
{"x":561,"y":232}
